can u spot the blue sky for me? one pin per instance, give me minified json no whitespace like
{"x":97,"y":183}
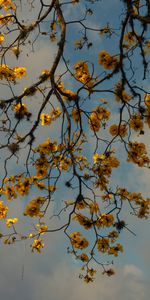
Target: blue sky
{"x":53,"y":274}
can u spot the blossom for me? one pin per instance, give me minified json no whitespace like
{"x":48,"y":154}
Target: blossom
{"x":147,"y":100}
{"x":3,"y":210}
{"x":34,"y":206}
{"x":78,"y":241}
{"x":45,"y":119}
{"x":136,"y":123}
{"x":115,"y":130}
{"x":94,"y":122}
{"x":10,"y":222}
{"x":19,"y":72}
{"x":107,"y":61}
{"x":37,"y":245}
{"x":103,"y":244}
{"x":2,"y":38}
{"x":83,"y":257}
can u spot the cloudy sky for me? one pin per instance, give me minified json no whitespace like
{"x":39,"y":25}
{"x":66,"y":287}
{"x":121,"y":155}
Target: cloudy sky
{"x":54,"y":274}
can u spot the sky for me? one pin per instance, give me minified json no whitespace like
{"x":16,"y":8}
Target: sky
{"x":53,"y":274}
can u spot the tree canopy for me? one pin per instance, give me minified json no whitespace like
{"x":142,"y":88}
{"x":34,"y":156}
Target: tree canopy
{"x":72,"y":123}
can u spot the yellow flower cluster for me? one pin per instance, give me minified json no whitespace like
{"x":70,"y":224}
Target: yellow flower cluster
{"x":2,"y":38}
{"x":130,"y":38}
{"x":78,"y":241}
{"x":107,"y":61}
{"x":98,"y":157}
{"x":42,"y":228}
{"x":34,"y":206}
{"x":47,"y":147}
{"x":41,"y":165}
{"x":62,"y":162}
{"x":94,"y":208}
{"x":105,"y":220}
{"x":89,"y":276}
{"x":21,"y":110}
{"x":23,"y":186}
{"x":120,"y":93}
{"x":82,"y":73}
{"x":147,"y":116}
{"x":144,"y":209}
{"x":84,"y":221}
{"x":9,"y":192}
{"x":147,"y":100}
{"x":3,"y":210}
{"x":11,"y":74}
{"x":99,"y":113}
{"x":84,"y":257}
{"x":81,"y":204}
{"x":107,"y":197}
{"x":67,"y":94}
{"x":136,"y":123}
{"x":46,"y":119}
{"x":114,"y":250}
{"x":137,"y":153}
{"x":76,"y":114}
{"x":37,"y":245}
{"x":103,"y":169}
{"x":10,"y":222}
{"x":113,"y":235}
{"x":103,"y":245}
{"x":7,"y":4}
{"x":5,"y":19}
{"x":115,"y":130}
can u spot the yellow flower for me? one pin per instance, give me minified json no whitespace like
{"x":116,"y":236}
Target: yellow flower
{"x":105,"y":220}
{"x":47,"y":147}
{"x":103,"y":244}
{"x":45,"y":74}
{"x":78,"y":241}
{"x":98,"y":157}
{"x":84,"y":221}
{"x":82,"y":72}
{"x":107,"y":61}
{"x":102,"y":56}
{"x":42,"y":228}
{"x":130,"y":38}
{"x":55,"y":113}
{"x":7,"y":4}
{"x":94,"y":122}
{"x":84,"y":257}
{"x":114,"y":250}
{"x":2,"y":38}
{"x":3,"y":210}
{"x":19,"y":72}
{"x":136,"y":123}
{"x":45,"y":119}
{"x":37,"y":245}
{"x":33,"y":207}
{"x":6,"y":73}
{"x":10,"y":192}
{"x":10,"y":222}
{"x":94,"y":207}
{"x":124,"y":96}
{"x":115,"y":130}
{"x":147,"y":100}
{"x":16,"y":51}
{"x":20,"y":110}
{"x":76,"y":114}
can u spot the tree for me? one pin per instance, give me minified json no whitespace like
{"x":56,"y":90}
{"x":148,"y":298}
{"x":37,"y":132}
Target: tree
{"x":68,"y":131}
